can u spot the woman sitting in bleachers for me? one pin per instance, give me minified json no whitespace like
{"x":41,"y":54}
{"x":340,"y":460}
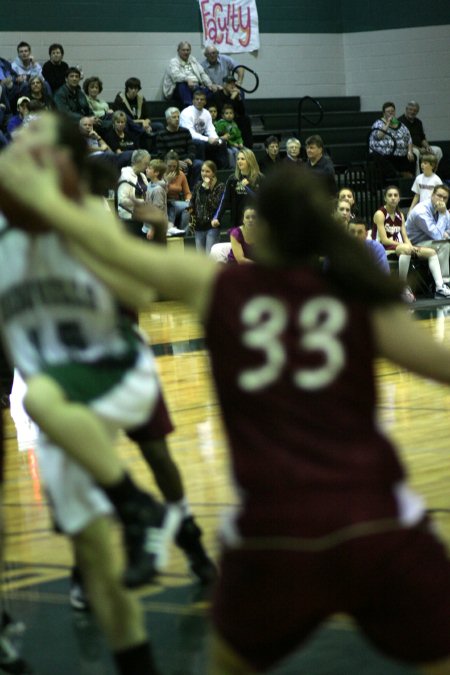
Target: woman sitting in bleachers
{"x":178,"y":192}
{"x":242,"y":239}
{"x":389,"y":229}
{"x":92,"y":87}
{"x":119,"y":138}
{"x":239,"y":187}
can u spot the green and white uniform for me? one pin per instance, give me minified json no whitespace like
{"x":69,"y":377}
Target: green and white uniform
{"x":58,"y":318}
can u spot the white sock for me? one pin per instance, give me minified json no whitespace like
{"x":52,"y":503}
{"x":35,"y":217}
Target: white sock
{"x":184,"y":507}
{"x":435,"y":269}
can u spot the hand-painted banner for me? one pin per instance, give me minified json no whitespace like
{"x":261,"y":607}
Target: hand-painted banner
{"x":230,"y":25}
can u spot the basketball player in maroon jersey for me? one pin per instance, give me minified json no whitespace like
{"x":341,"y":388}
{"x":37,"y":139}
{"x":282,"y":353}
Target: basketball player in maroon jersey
{"x":327,"y":523}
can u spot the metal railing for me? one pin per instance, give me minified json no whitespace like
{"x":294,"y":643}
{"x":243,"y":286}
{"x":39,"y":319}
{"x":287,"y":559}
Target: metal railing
{"x":303,"y":116}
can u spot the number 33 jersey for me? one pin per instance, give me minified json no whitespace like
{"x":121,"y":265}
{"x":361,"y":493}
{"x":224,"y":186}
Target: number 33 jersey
{"x":293,"y":369}
{"x":52,"y":309}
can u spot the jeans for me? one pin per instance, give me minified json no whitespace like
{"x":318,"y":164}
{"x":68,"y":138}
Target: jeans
{"x":177,"y":214}
{"x":204,"y":240}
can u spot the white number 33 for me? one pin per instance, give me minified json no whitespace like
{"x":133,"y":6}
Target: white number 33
{"x":320,"y":321}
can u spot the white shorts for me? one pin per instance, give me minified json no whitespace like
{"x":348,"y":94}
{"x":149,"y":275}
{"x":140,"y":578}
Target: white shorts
{"x":75,"y":498}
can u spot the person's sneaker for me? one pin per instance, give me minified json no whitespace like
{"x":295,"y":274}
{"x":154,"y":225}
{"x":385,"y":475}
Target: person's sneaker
{"x":10,"y":660}
{"x":189,"y":540}
{"x":442,"y":292}
{"x":145,"y":540}
{"x":174,"y":232}
{"x":407,"y":295}
{"x":77,"y":594}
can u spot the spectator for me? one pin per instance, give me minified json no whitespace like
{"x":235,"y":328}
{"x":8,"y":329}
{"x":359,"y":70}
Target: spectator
{"x":343,"y":212}
{"x":426,"y":181}
{"x":231,"y":94}
{"x":178,"y":192}
{"x":178,"y":139}
{"x":273,"y":158}
{"x":419,"y":140}
{"x":54,"y":70}
{"x":5,"y":105}
{"x":228,"y":130}
{"x":242,"y":239}
{"x":92,"y":87}
{"x":348,"y":194}
{"x":428,"y":224}
{"x":385,"y":131}
{"x":391,"y":233}
{"x":24,"y":66}
{"x":184,"y":76}
{"x":199,"y":123}
{"x":205,"y":200}
{"x":157,"y":195}
{"x":7,"y":80}
{"x":293,"y":147}
{"x":239,"y":188}
{"x":23,"y":109}
{"x":218,"y":66}
{"x":70,"y":99}
{"x":132,"y":103}
{"x":36,"y":91}
{"x":359,"y":228}
{"x":319,"y":162}
{"x":96,"y":144}
{"x":132,"y":188}
{"x":119,"y":138}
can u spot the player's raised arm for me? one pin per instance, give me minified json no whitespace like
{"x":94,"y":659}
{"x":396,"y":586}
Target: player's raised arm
{"x":185,"y":276}
{"x":416,"y":350}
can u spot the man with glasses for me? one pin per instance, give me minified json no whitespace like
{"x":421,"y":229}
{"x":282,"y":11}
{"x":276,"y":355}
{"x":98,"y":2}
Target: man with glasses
{"x":428,"y":224}
{"x":218,"y":66}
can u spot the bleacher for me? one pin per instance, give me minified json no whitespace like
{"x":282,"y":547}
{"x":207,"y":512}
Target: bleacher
{"x":343,"y":127}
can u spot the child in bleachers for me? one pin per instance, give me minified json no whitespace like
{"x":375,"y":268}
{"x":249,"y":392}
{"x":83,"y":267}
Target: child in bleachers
{"x":426,"y":181}
{"x":227,"y":129}
{"x":156,"y":190}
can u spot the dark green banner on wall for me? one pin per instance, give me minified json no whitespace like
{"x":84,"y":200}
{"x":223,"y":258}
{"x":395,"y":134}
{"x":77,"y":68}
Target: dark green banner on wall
{"x":183,"y":16}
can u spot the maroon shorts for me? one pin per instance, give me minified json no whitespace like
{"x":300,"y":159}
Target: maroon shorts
{"x":158,"y":425}
{"x":395,"y":585}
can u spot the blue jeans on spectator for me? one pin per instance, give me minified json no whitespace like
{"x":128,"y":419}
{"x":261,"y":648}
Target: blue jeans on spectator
{"x":177,"y":213}
{"x":205,"y":239}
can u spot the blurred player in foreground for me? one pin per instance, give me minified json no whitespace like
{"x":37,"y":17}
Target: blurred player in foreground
{"x":327,"y":522}
{"x":88,"y":374}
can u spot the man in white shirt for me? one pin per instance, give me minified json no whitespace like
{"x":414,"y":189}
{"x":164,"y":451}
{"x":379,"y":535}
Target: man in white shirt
{"x":200,"y":125}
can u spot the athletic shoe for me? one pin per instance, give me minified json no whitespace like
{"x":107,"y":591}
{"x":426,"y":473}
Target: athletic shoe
{"x":145,"y":540}
{"x":407,"y":295}
{"x":77,"y":594}
{"x":442,"y":292}
{"x":10,"y":661}
{"x":189,"y":540}
{"x":174,"y":232}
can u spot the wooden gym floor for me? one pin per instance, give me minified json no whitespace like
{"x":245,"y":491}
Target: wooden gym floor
{"x":59,"y":641}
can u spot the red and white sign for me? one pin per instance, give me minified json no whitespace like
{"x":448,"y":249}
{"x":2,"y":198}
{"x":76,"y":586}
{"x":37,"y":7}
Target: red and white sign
{"x":230,"y":25}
